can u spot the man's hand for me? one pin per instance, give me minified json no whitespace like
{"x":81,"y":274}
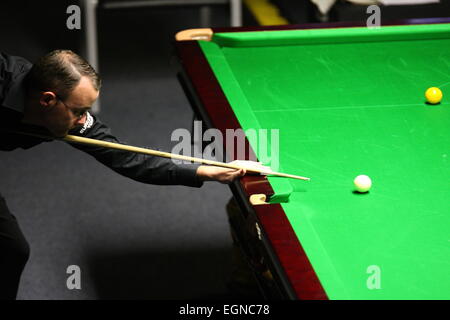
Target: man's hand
{"x":222,"y":175}
{"x":226,"y":175}
{"x":252,"y":165}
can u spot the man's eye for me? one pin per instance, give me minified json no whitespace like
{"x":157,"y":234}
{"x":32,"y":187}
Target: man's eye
{"x":80,"y":114}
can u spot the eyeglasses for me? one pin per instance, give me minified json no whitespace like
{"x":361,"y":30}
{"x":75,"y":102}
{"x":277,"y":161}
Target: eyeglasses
{"x":77,"y":113}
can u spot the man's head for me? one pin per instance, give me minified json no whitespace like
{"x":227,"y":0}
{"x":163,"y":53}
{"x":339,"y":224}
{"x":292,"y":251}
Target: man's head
{"x":62,"y":87}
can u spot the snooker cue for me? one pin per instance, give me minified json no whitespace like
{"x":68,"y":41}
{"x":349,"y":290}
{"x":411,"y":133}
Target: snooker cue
{"x":124,"y":147}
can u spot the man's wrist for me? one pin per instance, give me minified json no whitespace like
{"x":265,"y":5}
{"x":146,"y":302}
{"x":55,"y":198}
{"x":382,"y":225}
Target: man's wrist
{"x":204,"y":173}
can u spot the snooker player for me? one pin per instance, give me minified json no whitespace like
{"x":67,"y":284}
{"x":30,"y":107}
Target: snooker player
{"x":53,"y":98}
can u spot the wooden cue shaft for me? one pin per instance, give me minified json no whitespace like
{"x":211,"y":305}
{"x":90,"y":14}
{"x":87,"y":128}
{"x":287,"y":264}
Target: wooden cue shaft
{"x":112,"y":145}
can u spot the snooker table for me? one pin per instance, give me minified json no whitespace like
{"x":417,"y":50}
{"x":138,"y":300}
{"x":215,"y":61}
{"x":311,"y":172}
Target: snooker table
{"x":346,"y":100}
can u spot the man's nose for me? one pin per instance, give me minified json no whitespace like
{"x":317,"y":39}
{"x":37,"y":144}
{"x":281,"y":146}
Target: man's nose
{"x":80,"y":121}
{"x":77,"y":122}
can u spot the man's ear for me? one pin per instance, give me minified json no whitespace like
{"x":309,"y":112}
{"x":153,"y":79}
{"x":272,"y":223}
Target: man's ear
{"x":48,"y":99}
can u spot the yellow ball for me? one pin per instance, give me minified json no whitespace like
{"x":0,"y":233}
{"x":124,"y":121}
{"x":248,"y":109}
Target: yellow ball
{"x":433,"y":95}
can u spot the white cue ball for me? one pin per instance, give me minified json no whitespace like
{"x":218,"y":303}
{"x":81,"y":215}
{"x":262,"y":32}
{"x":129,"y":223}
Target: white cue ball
{"x":362,"y":183}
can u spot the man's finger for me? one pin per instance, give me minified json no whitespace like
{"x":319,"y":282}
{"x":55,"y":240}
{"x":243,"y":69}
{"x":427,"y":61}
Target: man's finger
{"x":239,"y":173}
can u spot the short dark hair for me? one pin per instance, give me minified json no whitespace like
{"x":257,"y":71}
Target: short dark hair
{"x":61,"y":71}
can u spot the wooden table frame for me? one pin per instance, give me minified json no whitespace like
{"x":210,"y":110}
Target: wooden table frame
{"x":292,"y":272}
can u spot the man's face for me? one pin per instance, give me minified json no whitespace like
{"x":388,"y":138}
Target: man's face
{"x":60,"y":116}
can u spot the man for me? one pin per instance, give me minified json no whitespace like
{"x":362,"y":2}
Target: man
{"x":53,"y":98}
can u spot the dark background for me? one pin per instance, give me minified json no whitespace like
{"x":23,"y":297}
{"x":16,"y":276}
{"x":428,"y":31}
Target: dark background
{"x":130,"y":240}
